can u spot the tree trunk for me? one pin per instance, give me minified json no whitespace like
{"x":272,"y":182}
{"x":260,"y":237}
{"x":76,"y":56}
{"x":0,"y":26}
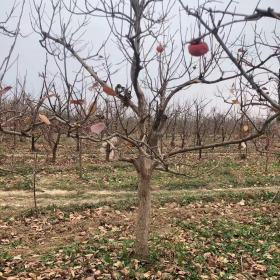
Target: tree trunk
{"x":77,"y":143}
{"x":55,"y":147}
{"x":144,"y":168}
{"x":34,"y":180}
{"x":33,"y":144}
{"x":183,"y":141}
{"x":199,"y":142}
{"x":54,"y":151}
{"x":80,"y":159}
{"x":108,"y":150}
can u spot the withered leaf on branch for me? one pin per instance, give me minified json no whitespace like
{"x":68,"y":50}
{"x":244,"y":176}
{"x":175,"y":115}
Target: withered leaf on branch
{"x":98,"y":127}
{"x":77,"y":101}
{"x":44,"y":119}
{"x":5,"y":90}
{"x":109,"y":91}
{"x":240,"y":50}
{"x":93,"y":108}
{"x":245,"y":128}
{"x":235,"y":101}
{"x":49,"y":95}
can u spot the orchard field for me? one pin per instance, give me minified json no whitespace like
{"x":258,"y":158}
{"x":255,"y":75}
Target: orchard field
{"x":220,"y":221}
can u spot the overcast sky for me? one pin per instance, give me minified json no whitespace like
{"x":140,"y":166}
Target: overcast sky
{"x":31,"y":55}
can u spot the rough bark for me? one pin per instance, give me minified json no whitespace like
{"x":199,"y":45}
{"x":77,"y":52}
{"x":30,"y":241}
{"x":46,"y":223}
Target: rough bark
{"x":54,"y":152}
{"x":108,"y":150}
{"x":144,"y":168}
{"x":77,"y":142}
{"x":33,"y":144}
{"x":55,"y":147}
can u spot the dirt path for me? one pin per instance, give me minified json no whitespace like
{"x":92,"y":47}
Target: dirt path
{"x":24,"y":199}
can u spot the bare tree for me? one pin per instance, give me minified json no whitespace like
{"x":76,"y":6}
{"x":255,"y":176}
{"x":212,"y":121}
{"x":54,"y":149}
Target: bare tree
{"x":159,"y":69}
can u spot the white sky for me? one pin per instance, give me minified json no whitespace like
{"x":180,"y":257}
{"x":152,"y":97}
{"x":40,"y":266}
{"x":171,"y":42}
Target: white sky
{"x":32,"y":55}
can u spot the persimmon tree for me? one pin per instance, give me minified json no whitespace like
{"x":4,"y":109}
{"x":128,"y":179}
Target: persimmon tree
{"x":148,"y":58}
